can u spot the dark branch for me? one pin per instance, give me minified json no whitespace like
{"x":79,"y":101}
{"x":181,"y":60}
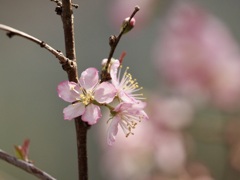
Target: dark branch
{"x":81,"y":127}
{"x":67,"y":19}
{"x":28,"y":167}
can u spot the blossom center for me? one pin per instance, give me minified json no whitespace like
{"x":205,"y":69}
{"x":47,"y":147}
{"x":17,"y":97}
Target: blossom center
{"x":86,"y":97}
{"x":128,"y":121}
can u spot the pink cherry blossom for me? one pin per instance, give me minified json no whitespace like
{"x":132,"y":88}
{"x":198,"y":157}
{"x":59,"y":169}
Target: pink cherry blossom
{"x":83,"y":95}
{"x":126,"y":86}
{"x":127,"y":115}
{"x":170,"y":152}
{"x":173,"y":113}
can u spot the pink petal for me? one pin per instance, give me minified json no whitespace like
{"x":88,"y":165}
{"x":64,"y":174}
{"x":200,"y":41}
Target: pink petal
{"x":131,"y":107}
{"x":144,"y":115}
{"x":89,"y":78}
{"x":73,"y":110}
{"x":68,"y":91}
{"x":139,"y":105}
{"x":114,"y":72}
{"x":122,"y":106}
{"x":125,"y":97}
{"x":105,"y":92}
{"x":113,"y":130}
{"x":92,"y":114}
{"x":104,"y":61}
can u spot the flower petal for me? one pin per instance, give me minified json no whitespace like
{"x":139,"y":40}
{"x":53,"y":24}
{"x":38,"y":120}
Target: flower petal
{"x":125,"y":97}
{"x":114,"y":72}
{"x":89,"y":78}
{"x":144,"y":115}
{"x":105,"y":92}
{"x":122,"y":106}
{"x":68,"y":91}
{"x":73,"y":110}
{"x":104,"y":61}
{"x":139,"y":105}
{"x":113,"y":130}
{"x":92,"y":114}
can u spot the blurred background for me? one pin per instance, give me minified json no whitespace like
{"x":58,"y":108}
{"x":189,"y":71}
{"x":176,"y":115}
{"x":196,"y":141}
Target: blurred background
{"x":184,"y":53}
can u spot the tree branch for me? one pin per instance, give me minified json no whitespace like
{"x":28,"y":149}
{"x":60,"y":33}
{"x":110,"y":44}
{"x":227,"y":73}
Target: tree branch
{"x":14,"y":32}
{"x":28,"y":167}
{"x":81,"y":127}
{"x":67,"y":19}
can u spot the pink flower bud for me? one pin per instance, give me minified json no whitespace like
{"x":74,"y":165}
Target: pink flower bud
{"x":128,"y":25}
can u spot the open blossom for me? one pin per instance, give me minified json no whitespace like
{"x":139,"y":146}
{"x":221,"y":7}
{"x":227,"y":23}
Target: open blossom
{"x":83,"y":94}
{"x":127,"y":115}
{"x":126,"y":86}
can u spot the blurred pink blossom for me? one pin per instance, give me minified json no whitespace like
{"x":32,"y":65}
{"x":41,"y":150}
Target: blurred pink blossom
{"x":170,"y":152}
{"x":198,"y":56}
{"x":173,"y":113}
{"x":151,"y":148}
{"x":235,"y":156}
{"x":131,"y":158}
{"x":198,"y":171}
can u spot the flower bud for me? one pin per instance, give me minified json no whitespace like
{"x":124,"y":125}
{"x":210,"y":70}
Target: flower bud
{"x":128,"y":25}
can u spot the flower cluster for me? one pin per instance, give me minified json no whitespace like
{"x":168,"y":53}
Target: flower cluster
{"x":90,"y":93}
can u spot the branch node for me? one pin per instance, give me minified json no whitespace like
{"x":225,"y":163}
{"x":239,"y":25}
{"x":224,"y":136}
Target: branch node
{"x":68,"y":65}
{"x":10,"y":34}
{"x":58,"y":10}
{"x":112,"y":40}
{"x":75,"y":5}
{"x":42,"y":44}
{"x":137,"y":8}
{"x":105,"y":75}
{"x":59,"y":3}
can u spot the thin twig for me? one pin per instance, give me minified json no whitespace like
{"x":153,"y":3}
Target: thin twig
{"x":14,"y":32}
{"x":114,"y":45}
{"x":28,"y":167}
{"x":113,"y":41}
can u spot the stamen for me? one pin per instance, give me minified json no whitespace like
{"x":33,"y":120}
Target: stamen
{"x":86,"y":97}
